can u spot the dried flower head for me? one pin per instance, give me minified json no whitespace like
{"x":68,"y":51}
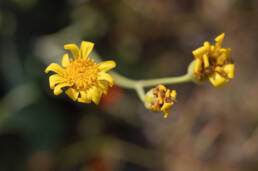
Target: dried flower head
{"x":160,"y":99}
{"x":84,"y":79}
{"x":214,"y":62}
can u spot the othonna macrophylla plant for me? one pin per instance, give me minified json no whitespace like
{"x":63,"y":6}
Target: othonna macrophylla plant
{"x":86,"y":81}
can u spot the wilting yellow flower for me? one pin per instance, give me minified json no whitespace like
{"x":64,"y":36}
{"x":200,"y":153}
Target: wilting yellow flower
{"x":84,"y":79}
{"x":214,"y":63}
{"x":160,"y":99}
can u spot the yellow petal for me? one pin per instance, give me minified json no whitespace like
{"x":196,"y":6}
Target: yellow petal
{"x":58,"y":89}
{"x":55,"y":68}
{"x":219,"y":69}
{"x":198,"y":65}
{"x":212,"y":48}
{"x":199,"y":52}
{"x":173,"y":94}
{"x":72,"y":93}
{"x":221,"y":59}
{"x":83,"y":98}
{"x":107,"y":65}
{"x":94,"y":94}
{"x":207,"y":46}
{"x":86,"y":48}
{"x":230,"y":70}
{"x":205,"y":60}
{"x":103,"y":86}
{"x":228,"y":52}
{"x":166,"y":108}
{"x":162,"y":87}
{"x":55,"y":79}
{"x":225,"y":54}
{"x":219,"y":39}
{"x":167,"y":93}
{"x":160,"y":98}
{"x":65,"y":60}
{"x":217,"y":80}
{"x":74,"y":49}
{"x":105,"y":77}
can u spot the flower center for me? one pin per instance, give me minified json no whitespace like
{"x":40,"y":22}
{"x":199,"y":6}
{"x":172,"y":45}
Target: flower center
{"x":212,"y":68}
{"x":82,"y":74}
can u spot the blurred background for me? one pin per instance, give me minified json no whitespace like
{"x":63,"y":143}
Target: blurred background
{"x":208,"y":129}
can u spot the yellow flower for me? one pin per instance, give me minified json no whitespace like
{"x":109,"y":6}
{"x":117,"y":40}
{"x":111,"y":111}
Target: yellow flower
{"x":84,"y":79}
{"x":160,"y":99}
{"x":214,"y":62}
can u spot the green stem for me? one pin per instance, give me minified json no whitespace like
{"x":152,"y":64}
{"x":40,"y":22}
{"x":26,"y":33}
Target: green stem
{"x":140,"y":91}
{"x":168,"y":80}
{"x":128,"y":83}
{"x":123,"y":81}
{"x":139,"y":85}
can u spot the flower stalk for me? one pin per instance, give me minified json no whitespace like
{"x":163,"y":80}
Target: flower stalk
{"x":139,"y":85}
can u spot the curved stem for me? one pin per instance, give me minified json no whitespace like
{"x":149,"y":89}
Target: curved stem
{"x":139,"y":85}
{"x":168,"y":80}
{"x":128,"y":83}
{"x":140,"y":91}
{"x":123,"y":81}
{"x":132,"y":84}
